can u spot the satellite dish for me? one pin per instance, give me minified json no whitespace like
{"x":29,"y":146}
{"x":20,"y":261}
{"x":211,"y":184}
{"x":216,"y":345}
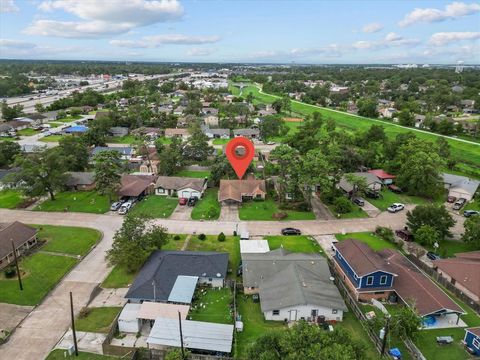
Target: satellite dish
{"x":219,"y":275}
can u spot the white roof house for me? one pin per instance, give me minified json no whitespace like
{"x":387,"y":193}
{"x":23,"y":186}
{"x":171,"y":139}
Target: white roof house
{"x":254,"y":246}
{"x":196,"y":335}
{"x":128,"y":320}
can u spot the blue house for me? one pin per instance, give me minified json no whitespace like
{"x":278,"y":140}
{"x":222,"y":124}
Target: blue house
{"x":472,"y":340}
{"x":364,"y":270}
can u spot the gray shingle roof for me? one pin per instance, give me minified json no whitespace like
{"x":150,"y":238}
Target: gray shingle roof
{"x":17,"y":232}
{"x":80,"y":178}
{"x":460,"y":182}
{"x":179,"y":183}
{"x":164,"y":267}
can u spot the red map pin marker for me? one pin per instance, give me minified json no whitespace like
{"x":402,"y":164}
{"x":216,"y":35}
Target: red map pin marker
{"x":240,"y":152}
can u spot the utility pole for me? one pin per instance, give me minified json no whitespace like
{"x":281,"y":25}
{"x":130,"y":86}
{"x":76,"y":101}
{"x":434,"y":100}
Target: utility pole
{"x":16,"y":266}
{"x":385,"y":335}
{"x":181,"y":335}
{"x":73,"y":325}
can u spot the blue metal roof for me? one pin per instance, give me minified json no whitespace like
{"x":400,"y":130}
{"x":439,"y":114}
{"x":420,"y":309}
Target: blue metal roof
{"x":77,"y":128}
{"x":183,"y":289}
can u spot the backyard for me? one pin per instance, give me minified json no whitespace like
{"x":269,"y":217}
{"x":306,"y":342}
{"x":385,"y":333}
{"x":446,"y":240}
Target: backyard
{"x":76,"y":201}
{"x":10,"y":199}
{"x":212,"y":305}
{"x":156,"y":206}
{"x":68,"y":239}
{"x":264,"y":210}
{"x":97,"y":320}
{"x":208,"y":208}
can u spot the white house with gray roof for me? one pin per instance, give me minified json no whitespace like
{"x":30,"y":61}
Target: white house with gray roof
{"x":180,"y":186}
{"x":460,"y":186}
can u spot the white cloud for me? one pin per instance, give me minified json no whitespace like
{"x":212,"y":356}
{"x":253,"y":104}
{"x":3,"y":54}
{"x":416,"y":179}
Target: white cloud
{"x":200,"y":52}
{"x":22,"y":49}
{"x":442,"y":38}
{"x":428,"y":15}
{"x":392,"y":37}
{"x":103,"y":18}
{"x":158,"y":40}
{"x":372,"y":28}
{"x":16,"y":44}
{"x":391,"y":40}
{"x":8,"y":6}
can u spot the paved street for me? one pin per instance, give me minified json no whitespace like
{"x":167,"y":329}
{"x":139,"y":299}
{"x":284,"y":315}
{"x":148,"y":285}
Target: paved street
{"x":42,"y":329}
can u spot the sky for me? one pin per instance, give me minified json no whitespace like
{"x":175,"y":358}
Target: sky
{"x":254,"y":31}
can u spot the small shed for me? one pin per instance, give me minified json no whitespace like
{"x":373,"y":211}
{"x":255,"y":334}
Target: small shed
{"x":128,"y":320}
{"x":254,"y":246}
{"x":183,"y":289}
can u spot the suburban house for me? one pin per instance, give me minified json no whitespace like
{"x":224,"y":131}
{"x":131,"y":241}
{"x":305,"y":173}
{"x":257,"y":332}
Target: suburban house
{"x":216,"y":133}
{"x":209,"y":111}
{"x":236,"y":191}
{"x":387,"y":274}
{"x":6,"y":130}
{"x":23,"y":237}
{"x":171,"y":276}
{"x":75,"y":130}
{"x":4,"y":173}
{"x":383,"y":176}
{"x":180,"y":133}
{"x":125,"y":152}
{"x":50,"y":115}
{"x":292,"y":286}
{"x":472,"y":340}
{"x":460,"y":186}
{"x":118,"y":131}
{"x":134,"y":186}
{"x":84,"y":181}
{"x":387,"y":113}
{"x":180,"y":186}
{"x":211,"y":120}
{"x":249,"y":133}
{"x":462,"y":271}
{"x":373,"y":183}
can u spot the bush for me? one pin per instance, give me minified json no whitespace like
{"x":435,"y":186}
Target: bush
{"x":176,"y":237}
{"x":84,"y":312}
{"x":385,"y":233}
{"x":342,"y":205}
{"x":10,"y":272}
{"x":279,"y":215}
{"x":221,"y":237}
{"x":328,"y":197}
{"x":202,"y":237}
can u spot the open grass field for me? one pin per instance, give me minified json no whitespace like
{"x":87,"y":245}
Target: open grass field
{"x":216,"y":306}
{"x":231,"y":245}
{"x":194,"y":174}
{"x":264,"y":210}
{"x":370,"y":239}
{"x":128,"y":139}
{"x":58,"y":354}
{"x":10,"y":199}
{"x":76,"y":201}
{"x":98,"y":320}
{"x":301,"y":243}
{"x":41,"y":272}
{"x":68,"y":239}
{"x":156,"y":206}
{"x":466,"y":153}
{"x":208,"y":208}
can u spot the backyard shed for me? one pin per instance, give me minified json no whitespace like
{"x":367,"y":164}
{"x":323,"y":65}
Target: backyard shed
{"x":128,"y":320}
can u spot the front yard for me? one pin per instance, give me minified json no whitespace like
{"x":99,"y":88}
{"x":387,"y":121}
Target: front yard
{"x":51,"y":138}
{"x":220,"y":141}
{"x":156,"y":206}
{"x":264,"y":210}
{"x":212,"y":305}
{"x":302,"y":243}
{"x":27,"y":132}
{"x":208,"y":208}
{"x":97,"y":320}
{"x":76,"y":201}
{"x":356,"y":213}
{"x":372,"y":240}
{"x":388,"y":197}
{"x":68,"y":239}
{"x":10,"y":199}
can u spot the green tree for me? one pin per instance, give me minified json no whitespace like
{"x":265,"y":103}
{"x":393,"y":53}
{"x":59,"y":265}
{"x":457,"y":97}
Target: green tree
{"x":342,"y":205}
{"x":426,"y":235}
{"x":314,"y":172}
{"x":359,"y":183}
{"x":406,"y":118}
{"x":197,"y":147}
{"x":171,"y":158}
{"x":107,"y":168}
{"x":367,"y":108}
{"x":437,"y":217}
{"x":11,"y":112}
{"x":286,"y":104}
{"x":472,"y":231}
{"x":135,"y":241}
{"x":8,"y":151}
{"x":405,"y":323}
{"x":286,"y":163}
{"x":40,"y":173}
{"x":272,"y":126}
{"x":39,"y":108}
{"x":75,"y":152}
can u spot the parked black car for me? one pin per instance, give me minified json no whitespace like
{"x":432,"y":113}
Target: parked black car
{"x":291,"y":231}
{"x":359,"y":201}
{"x":468,"y":213}
{"x":432,"y":256}
{"x":192,"y":201}
{"x":372,"y":194}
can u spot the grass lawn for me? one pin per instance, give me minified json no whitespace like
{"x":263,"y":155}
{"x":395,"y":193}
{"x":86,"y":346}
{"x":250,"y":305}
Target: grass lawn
{"x":357,"y":212}
{"x":263,"y":210}
{"x":164,"y":140}
{"x":51,"y":138}
{"x":217,"y":306}
{"x":27,"y":132}
{"x":10,"y":199}
{"x":201,"y":174}
{"x":301,"y":243}
{"x":2,"y":138}
{"x":370,"y":239}
{"x":98,"y":320}
{"x":69,"y":118}
{"x":220,"y":141}
{"x":118,"y":278}
{"x":41,"y":272}
{"x":76,"y":201}
{"x":175,"y":244}
{"x":208,"y":207}
{"x":451,"y":247}
{"x":254,"y":325}
{"x":58,"y":354}
{"x":68,"y":239}
{"x":388,"y":198}
{"x":128,"y":139}
{"x":426,"y":342}
{"x":156,"y":206}
{"x":54,"y":124}
{"x":473,"y":205}
{"x":230,"y":245}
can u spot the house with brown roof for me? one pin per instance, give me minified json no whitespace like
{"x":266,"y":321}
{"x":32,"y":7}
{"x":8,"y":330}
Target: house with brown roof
{"x":180,"y":186}
{"x":137,"y":185}
{"x":180,"y":133}
{"x":387,"y":274}
{"x":83,"y":181}
{"x":237,"y":191}
{"x":23,"y":237}
{"x":462,"y":271}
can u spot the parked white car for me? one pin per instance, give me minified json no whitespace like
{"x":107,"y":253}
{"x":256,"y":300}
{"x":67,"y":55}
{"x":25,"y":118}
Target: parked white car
{"x":125,"y":208}
{"x":396,"y":207}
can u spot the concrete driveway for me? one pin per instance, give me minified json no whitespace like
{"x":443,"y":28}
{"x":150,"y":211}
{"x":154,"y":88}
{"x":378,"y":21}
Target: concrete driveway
{"x":182,"y":213}
{"x":229,"y":212}
{"x":370,"y":209}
